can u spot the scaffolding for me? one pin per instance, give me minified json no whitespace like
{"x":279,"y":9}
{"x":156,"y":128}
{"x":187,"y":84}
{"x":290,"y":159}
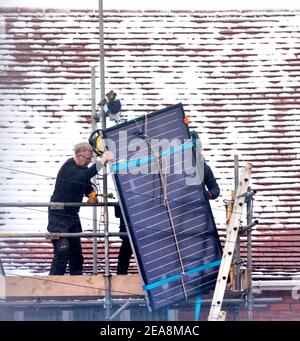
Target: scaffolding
{"x":241,"y":290}
{"x":125,"y":303}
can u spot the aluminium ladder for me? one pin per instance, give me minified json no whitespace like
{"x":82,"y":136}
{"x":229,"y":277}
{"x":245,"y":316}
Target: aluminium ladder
{"x":215,"y":313}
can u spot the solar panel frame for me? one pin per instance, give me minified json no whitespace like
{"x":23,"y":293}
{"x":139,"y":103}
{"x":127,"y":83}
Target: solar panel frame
{"x":170,"y":264}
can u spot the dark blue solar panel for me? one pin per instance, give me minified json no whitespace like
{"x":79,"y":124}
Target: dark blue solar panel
{"x":168,"y":219}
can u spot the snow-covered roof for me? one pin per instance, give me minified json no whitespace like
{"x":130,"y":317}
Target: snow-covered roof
{"x":235,"y":72}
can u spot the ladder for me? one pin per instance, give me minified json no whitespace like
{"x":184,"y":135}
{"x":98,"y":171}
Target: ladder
{"x":215,"y":313}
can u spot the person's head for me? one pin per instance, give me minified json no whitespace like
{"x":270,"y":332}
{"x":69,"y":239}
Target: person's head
{"x":83,"y":154}
{"x":194,"y":134}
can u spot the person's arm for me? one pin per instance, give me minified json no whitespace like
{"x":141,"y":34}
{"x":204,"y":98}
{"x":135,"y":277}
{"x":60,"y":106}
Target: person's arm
{"x":92,"y":171}
{"x":90,"y":193}
{"x":87,"y":173}
{"x":211,"y":183}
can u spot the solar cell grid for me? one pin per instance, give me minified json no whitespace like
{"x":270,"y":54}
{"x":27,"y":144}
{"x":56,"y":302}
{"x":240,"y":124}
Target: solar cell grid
{"x":169,"y":221}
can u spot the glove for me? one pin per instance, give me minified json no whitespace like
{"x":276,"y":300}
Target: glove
{"x":210,"y":195}
{"x":92,"y":198}
{"x":106,"y":157}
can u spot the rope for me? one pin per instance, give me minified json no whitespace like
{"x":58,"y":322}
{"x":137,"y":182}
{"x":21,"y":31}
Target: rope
{"x":166,"y":203}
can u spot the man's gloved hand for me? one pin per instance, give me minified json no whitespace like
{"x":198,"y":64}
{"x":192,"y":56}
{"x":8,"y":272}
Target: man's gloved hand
{"x":106,"y":157}
{"x":92,"y":198}
{"x":209,"y":195}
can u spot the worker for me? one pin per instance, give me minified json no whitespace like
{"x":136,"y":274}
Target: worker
{"x":72,"y":183}
{"x":210,"y":185}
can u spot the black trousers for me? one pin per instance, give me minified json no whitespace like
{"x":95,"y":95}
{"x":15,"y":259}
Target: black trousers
{"x":66,"y":251}
{"x":125,"y":254}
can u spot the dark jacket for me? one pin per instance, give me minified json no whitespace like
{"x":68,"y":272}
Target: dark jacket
{"x":72,"y":183}
{"x":210,"y":182}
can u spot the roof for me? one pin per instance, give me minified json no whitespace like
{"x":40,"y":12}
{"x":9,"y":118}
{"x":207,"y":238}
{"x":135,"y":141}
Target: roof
{"x":236,"y":74}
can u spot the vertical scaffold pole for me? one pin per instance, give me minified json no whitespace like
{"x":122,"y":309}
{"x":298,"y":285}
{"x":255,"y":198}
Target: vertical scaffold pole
{"x":249,"y":254}
{"x":94,"y":127}
{"x":237,"y":266}
{"x":105,"y":208}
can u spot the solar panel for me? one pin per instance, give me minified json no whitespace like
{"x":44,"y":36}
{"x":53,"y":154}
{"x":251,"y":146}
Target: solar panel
{"x":168,"y":218}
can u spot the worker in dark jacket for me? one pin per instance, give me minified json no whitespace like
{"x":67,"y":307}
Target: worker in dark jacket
{"x":72,"y":183}
{"x":211,"y":192}
{"x":210,"y":185}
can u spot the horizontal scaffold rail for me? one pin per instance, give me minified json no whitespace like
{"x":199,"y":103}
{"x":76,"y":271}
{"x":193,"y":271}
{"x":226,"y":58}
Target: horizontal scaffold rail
{"x":55,"y":205}
{"x":59,"y":235}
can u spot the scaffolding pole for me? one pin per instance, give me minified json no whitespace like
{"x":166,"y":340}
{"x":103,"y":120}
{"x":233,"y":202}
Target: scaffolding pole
{"x":237,"y":265}
{"x":94,"y":180}
{"x":250,"y":297}
{"x":57,"y":235}
{"x":120,"y":301}
{"x":107,"y":274}
{"x":55,"y":205}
